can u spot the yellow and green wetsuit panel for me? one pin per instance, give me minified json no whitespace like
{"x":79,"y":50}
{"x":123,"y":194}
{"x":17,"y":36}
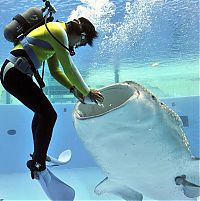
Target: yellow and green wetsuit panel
{"x":71,"y":75}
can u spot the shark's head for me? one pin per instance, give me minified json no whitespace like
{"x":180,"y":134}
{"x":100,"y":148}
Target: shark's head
{"x":136,"y":136}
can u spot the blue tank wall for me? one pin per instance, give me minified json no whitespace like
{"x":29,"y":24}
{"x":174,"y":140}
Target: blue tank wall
{"x":15,"y":149}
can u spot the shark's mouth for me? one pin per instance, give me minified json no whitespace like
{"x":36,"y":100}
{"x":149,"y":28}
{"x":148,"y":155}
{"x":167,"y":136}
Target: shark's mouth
{"x":120,"y":95}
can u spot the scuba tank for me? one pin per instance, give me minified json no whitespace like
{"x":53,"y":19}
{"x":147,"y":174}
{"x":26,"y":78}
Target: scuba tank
{"x":29,"y":20}
{"x":23,"y":23}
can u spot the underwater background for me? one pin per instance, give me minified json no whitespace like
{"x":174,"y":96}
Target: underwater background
{"x":154,"y":42}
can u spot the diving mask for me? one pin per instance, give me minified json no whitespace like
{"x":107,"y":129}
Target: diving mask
{"x":82,"y":41}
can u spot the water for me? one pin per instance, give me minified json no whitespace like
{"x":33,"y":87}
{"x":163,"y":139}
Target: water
{"x":152,"y":42}
{"x":133,"y":35}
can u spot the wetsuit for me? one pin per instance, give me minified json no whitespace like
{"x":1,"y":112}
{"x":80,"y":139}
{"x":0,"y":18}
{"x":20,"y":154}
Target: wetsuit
{"x":24,"y":88}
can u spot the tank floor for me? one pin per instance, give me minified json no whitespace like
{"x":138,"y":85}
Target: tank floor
{"x":20,"y":186}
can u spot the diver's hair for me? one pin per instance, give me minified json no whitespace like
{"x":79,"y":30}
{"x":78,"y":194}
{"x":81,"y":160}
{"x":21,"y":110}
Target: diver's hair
{"x":89,"y":29}
{"x":74,"y":27}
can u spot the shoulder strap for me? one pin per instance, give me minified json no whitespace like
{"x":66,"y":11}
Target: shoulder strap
{"x":24,"y":42}
{"x":32,"y":56}
{"x":38,"y":42}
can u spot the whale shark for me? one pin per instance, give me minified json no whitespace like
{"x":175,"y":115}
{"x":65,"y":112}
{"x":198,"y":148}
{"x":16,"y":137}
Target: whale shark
{"x":140,"y":145}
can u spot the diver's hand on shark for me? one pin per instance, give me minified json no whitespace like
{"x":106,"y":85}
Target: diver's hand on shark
{"x":96,"y":96}
{"x":93,"y":96}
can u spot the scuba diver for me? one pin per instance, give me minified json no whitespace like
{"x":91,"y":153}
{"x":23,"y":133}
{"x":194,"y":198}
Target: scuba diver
{"x":18,"y":69}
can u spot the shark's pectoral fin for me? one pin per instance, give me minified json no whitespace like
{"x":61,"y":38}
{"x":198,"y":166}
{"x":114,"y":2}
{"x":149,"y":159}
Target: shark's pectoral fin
{"x":123,"y":191}
{"x":190,"y":189}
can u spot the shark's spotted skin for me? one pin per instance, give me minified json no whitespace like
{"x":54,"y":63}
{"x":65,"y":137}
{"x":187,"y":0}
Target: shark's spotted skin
{"x":139,"y":143}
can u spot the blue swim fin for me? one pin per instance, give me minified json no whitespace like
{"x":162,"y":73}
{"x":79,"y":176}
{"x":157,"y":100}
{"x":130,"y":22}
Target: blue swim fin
{"x":54,"y":188}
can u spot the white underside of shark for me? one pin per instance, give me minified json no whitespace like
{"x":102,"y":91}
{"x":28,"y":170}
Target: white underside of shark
{"x":139,"y":143}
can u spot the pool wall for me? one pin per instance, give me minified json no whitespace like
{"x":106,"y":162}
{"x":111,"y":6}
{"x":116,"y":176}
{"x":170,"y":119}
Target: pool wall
{"x":16,"y":136}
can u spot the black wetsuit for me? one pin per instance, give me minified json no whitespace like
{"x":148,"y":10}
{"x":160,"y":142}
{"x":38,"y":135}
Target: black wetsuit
{"x":25,"y":90}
